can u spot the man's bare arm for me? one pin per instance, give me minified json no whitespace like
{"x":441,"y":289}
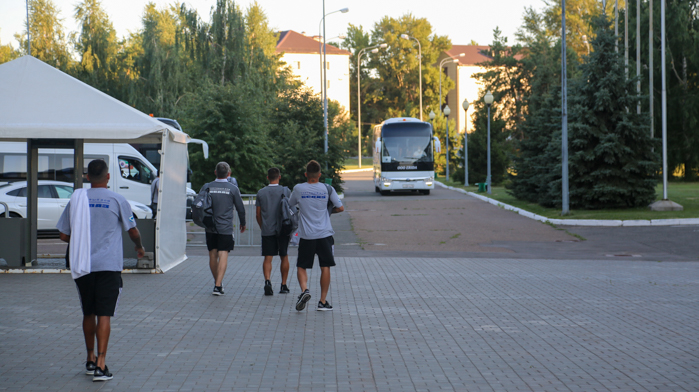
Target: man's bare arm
{"x":135,"y":236}
{"x":338,"y":209}
{"x":64,"y":237}
{"x":258,"y":215}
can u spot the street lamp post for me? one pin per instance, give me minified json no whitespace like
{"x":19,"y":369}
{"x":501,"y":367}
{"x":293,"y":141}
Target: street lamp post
{"x":564,"y":115}
{"x":446,"y":112}
{"x":419,"y":58}
{"x":374,"y":49}
{"x":441,"y":64}
{"x":323,"y":62}
{"x":465,"y":106}
{"x":488,"y":101}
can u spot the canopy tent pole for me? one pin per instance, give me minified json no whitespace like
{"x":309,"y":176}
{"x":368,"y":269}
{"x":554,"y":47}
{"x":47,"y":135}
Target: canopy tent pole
{"x":78,"y":163}
{"x":32,"y":201}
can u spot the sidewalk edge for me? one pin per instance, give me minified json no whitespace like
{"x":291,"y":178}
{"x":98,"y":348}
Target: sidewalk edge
{"x":578,"y":222}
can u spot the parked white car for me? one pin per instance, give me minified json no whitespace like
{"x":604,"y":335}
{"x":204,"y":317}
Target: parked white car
{"x":53,"y":198}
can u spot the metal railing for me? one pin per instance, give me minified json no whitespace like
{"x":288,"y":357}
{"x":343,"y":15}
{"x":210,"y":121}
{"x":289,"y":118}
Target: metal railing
{"x":249,"y":238}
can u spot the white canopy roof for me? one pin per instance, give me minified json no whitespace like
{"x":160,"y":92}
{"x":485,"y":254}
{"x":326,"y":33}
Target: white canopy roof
{"x":38,"y":101}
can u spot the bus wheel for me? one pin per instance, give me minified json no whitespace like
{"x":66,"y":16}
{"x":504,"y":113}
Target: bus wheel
{"x":425,"y":191}
{"x":385,"y":193}
{"x":376,"y":189}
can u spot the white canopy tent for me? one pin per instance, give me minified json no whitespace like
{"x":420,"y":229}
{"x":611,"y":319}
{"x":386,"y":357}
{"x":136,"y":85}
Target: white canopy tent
{"x":48,"y":108}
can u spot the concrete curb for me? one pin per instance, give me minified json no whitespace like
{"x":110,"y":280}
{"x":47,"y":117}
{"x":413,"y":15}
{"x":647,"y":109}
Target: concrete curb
{"x":67,"y":271}
{"x":357,"y":170}
{"x":578,"y":222}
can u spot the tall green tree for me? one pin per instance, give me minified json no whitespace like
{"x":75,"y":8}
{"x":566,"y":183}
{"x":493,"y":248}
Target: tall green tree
{"x":397,"y":66}
{"x":579,"y":16}
{"x":507,"y":76}
{"x":48,"y":38}
{"x":98,"y":46}
{"x":228,"y":116}
{"x":8,"y":53}
{"x":355,"y":40}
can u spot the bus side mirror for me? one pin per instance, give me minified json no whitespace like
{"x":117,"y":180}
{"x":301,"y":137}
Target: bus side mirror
{"x":377,"y":148}
{"x":204,"y":146}
{"x":437,"y":145}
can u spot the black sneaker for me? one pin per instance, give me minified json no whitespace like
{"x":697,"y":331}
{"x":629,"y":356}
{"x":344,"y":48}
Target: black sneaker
{"x":102,"y":375}
{"x":303,"y":298}
{"x":324,"y":307}
{"x":268,"y":288}
{"x":284,"y":290}
{"x":90,"y":368}
{"x":218,"y":290}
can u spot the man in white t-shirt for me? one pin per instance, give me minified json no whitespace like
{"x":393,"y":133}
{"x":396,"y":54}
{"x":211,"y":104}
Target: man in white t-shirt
{"x":315,"y":232}
{"x":99,"y":291}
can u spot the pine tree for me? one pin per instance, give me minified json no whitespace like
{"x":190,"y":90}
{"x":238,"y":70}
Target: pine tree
{"x":612,"y":163}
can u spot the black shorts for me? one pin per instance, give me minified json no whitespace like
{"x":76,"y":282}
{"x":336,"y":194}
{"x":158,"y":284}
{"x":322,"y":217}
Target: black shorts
{"x":323,"y":247}
{"x":220,"y":242}
{"x":99,"y":292}
{"x":275,"y":245}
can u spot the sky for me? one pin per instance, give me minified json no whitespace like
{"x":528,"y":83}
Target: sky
{"x":460,"y":20}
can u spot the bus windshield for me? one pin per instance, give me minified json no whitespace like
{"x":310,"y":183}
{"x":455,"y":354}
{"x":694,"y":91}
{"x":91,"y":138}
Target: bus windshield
{"x":407,"y":143}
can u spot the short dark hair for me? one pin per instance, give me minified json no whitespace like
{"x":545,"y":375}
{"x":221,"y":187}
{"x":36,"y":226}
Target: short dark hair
{"x":273,"y":173}
{"x":97,"y":170}
{"x":222,"y":170}
{"x":313,"y":168}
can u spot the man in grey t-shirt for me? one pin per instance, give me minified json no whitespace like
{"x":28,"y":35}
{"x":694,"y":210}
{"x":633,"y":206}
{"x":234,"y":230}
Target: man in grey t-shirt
{"x":316,"y":233}
{"x":268,"y":203}
{"x":99,"y":291}
{"x":225,"y":198}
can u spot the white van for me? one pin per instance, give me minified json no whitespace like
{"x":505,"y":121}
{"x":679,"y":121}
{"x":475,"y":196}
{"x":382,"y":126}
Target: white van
{"x":130,"y":173}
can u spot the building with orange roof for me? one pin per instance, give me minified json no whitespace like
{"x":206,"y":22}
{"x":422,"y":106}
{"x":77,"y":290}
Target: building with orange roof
{"x":302,"y":54}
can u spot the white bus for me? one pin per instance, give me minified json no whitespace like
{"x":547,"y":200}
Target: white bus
{"x":403,"y":156}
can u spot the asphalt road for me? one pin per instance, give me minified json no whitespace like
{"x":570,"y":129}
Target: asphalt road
{"x":451,"y":224}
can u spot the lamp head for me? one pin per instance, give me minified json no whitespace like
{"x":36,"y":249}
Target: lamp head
{"x":462,"y":54}
{"x":432,"y":115}
{"x":465,"y":105}
{"x":446,"y":111}
{"x":488,"y":98}
{"x":383,"y":46}
{"x":341,"y":36}
{"x":405,"y":36}
{"x":344,"y":10}
{"x":375,"y":50}
{"x":455,"y":61}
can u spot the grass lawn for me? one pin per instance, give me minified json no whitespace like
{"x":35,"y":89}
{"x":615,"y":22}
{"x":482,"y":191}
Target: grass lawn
{"x":686,"y":194}
{"x":351,"y":163}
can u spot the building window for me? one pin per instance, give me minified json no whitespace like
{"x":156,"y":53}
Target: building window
{"x":328,"y":85}
{"x":298,"y":65}
{"x":327,"y":65}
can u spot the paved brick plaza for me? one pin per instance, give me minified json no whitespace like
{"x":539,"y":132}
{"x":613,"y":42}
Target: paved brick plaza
{"x":399,"y":325}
